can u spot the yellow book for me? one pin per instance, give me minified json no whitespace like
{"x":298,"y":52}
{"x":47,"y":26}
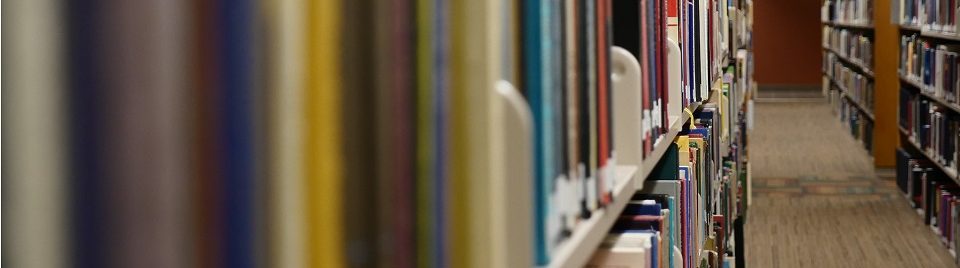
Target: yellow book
{"x":683,"y":146}
{"x":323,"y":154}
{"x":460,"y":139}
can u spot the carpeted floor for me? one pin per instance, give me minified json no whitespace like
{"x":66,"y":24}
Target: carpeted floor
{"x":818,"y":202}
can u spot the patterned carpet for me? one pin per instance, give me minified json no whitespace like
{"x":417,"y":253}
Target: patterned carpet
{"x":819,"y":203}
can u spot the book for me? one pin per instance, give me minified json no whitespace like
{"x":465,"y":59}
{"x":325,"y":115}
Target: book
{"x":394,"y":98}
{"x":634,"y":249}
{"x":236,"y":130}
{"x":287,"y":222}
{"x":856,"y":12}
{"x":933,"y":194}
{"x":323,"y":170}
{"x":38,"y":176}
{"x":142,"y":114}
{"x":930,"y":126}
{"x":935,"y":15}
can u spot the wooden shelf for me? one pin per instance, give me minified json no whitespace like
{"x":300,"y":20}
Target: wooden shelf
{"x":856,"y":103}
{"x":856,"y":66}
{"x":951,"y":173}
{"x":857,"y":26}
{"x":922,"y":89}
{"x":931,"y":34}
{"x":941,"y":36}
{"x":909,"y":27}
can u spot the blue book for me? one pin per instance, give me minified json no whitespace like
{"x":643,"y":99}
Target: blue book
{"x":927,"y":65}
{"x":645,"y":207}
{"x":441,"y":132}
{"x":693,"y":77}
{"x":540,"y":87}
{"x":671,"y":229}
{"x":236,"y":84}
{"x":687,"y":222}
{"x":86,"y":127}
{"x":655,"y":242}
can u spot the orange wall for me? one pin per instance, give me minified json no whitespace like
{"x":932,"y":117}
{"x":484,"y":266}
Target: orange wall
{"x":786,"y":40}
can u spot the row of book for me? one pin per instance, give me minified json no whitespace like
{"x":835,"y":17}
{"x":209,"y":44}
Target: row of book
{"x":857,"y":121}
{"x":565,"y":57}
{"x":701,"y":28}
{"x":741,"y":23}
{"x":334,"y":133}
{"x":859,"y":12}
{"x":685,"y":214}
{"x":934,"y":196}
{"x":930,"y":15}
{"x":927,"y":161}
{"x":854,"y":85}
{"x":933,"y":127}
{"x":563,"y":48}
{"x":935,"y":66}
{"x":853,"y":45}
{"x":241,"y":134}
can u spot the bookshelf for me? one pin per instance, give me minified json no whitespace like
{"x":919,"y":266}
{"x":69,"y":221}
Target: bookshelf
{"x":907,"y":27}
{"x":921,"y":40}
{"x":714,"y":93}
{"x":661,"y":147}
{"x":849,"y":64}
{"x":853,"y":63}
{"x":913,"y":84}
{"x":855,"y":26}
{"x":577,"y":250}
{"x":929,"y":113}
{"x":946,"y":36}
{"x":950,"y":172}
{"x":939,"y":35}
{"x":856,"y":103}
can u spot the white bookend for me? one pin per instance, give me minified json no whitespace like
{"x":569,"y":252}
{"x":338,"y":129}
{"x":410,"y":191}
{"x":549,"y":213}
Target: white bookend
{"x":627,"y":107}
{"x":674,"y":105}
{"x":512,"y":181}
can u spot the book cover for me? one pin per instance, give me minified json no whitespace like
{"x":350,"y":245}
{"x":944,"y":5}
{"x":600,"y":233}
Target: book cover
{"x":38,"y":177}
{"x":236,"y":132}
{"x":394,"y":93}
{"x":323,"y":167}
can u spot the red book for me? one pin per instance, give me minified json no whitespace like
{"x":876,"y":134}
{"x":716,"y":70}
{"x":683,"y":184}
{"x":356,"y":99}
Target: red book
{"x":603,"y":89}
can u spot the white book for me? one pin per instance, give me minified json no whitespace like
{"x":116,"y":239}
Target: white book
{"x":704,"y":55}
{"x":624,"y":250}
{"x":36,"y":175}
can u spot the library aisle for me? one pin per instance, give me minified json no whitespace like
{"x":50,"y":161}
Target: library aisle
{"x":817,"y":201}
